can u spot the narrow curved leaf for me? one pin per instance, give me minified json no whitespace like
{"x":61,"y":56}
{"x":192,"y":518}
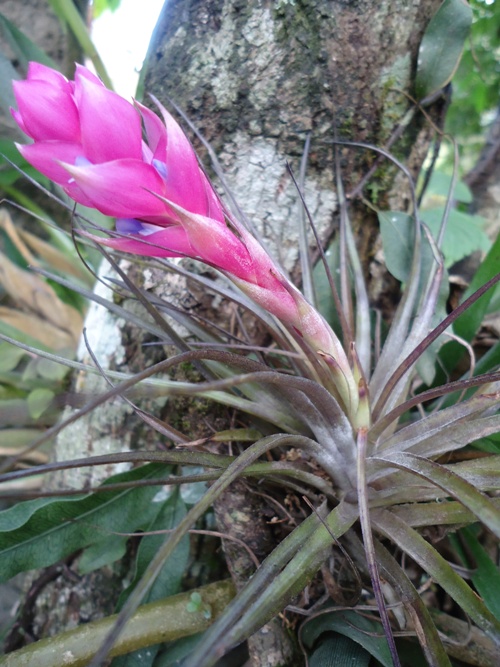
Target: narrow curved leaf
{"x":365,"y":632}
{"x":456,"y":486}
{"x":23,"y":47}
{"x":469,"y":322}
{"x":438,"y":568}
{"x":486,"y":575}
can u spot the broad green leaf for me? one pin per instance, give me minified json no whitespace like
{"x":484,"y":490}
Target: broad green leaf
{"x":486,"y":575}
{"x":38,"y":401}
{"x":167,"y":516}
{"x":469,"y":322}
{"x":10,"y":357}
{"x":441,"y":46}
{"x":338,"y":651}
{"x":464,"y":233}
{"x":174,"y":652}
{"x":440,"y":185}
{"x":40,"y":532}
{"x":169,"y":579}
{"x":398,"y":239}
{"x":102,"y":553}
{"x":50,"y":370}
{"x":22,"y":46}
{"x":7,"y":74}
{"x":366,"y":632}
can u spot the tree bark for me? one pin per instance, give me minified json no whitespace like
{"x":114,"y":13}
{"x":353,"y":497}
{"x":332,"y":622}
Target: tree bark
{"x":257,"y":77}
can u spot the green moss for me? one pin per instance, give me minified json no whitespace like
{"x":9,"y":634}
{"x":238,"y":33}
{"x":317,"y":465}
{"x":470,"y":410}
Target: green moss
{"x":298,"y":20}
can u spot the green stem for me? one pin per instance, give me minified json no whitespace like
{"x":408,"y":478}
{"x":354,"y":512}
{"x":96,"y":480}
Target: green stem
{"x":67,"y":11}
{"x":236,"y":468}
{"x":282,"y":576}
{"x":154,"y":623}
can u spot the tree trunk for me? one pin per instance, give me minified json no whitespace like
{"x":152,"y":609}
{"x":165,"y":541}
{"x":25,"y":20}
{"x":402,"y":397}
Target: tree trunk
{"x":257,"y":77}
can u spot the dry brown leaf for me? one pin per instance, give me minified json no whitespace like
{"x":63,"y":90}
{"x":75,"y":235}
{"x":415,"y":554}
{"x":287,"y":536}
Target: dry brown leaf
{"x":55,"y":258}
{"x":31,"y":293}
{"x":13,"y":233}
{"x":50,"y":335}
{"x":26,"y":243}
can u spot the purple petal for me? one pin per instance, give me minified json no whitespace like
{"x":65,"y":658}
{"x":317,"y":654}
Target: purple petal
{"x":122,"y":188}
{"x":128,"y":225}
{"x":48,"y":112}
{"x":110,"y":126}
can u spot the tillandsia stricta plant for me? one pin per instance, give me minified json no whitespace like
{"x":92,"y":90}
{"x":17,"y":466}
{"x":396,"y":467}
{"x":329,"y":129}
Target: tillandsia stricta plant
{"x":389,"y":452}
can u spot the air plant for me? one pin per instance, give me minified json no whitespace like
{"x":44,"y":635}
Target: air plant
{"x":389,"y":448}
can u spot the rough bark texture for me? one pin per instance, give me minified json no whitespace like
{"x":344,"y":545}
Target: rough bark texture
{"x":241,"y":513}
{"x":257,"y":77}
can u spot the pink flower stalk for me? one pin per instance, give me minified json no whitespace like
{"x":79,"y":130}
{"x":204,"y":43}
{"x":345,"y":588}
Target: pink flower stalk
{"x":90,"y":141}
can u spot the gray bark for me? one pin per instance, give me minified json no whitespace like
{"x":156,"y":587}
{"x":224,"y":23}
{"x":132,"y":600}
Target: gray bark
{"x":257,"y":77}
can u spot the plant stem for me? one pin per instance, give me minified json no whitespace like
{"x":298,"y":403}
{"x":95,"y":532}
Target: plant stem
{"x":157,"y":622}
{"x":67,"y":12}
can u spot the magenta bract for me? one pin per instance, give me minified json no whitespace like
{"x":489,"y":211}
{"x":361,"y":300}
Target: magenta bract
{"x":90,"y":141}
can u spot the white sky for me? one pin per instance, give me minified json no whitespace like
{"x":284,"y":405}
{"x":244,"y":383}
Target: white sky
{"x":122,"y":39}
